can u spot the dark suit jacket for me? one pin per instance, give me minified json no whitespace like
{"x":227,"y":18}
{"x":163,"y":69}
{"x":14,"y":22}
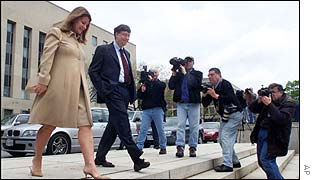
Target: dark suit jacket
{"x":104,"y":72}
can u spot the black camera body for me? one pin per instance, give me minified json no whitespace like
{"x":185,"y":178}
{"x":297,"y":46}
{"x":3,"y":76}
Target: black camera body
{"x":176,"y":62}
{"x":206,"y":86}
{"x":247,"y":91}
{"x":264,"y":92}
{"x":144,"y":75}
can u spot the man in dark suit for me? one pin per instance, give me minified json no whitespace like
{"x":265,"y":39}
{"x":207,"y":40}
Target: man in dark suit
{"x":111,"y":74}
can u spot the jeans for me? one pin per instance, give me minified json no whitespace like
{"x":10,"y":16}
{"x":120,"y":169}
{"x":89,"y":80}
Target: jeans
{"x":227,"y":137}
{"x":156,"y":114}
{"x":250,"y":116}
{"x":190,"y":111}
{"x":267,"y":163}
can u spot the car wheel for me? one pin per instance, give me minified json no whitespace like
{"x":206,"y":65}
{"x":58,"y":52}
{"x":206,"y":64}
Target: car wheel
{"x":58,"y":144}
{"x":17,"y":154}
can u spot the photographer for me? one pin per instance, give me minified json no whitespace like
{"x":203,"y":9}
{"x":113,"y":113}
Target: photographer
{"x":186,"y":82}
{"x":152,"y":94}
{"x":273,"y":127}
{"x":250,"y":97}
{"x":230,"y":110}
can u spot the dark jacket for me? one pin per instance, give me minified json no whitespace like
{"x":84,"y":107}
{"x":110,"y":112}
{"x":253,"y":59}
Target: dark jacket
{"x":104,"y":72}
{"x":276,"y":118}
{"x":226,"y":97}
{"x":194,"y":86}
{"x":153,"y":96}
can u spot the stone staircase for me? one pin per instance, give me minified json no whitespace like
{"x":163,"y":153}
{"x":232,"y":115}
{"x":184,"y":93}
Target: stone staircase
{"x":162,"y":166}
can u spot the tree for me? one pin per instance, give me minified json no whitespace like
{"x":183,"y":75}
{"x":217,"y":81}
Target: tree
{"x":293,"y":90}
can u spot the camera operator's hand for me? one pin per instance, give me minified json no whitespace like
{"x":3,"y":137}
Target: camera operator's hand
{"x":266,"y":100}
{"x":150,"y":77}
{"x":182,"y":69}
{"x":212,"y":93}
{"x":173,"y":72}
{"x":143,"y":88}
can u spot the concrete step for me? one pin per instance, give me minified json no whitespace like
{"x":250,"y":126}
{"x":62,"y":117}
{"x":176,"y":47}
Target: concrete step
{"x":249,"y":164}
{"x":162,"y":166}
{"x":291,"y":171}
{"x":282,"y":163}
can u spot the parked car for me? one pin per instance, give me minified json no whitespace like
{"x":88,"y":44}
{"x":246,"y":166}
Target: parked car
{"x":211,"y":131}
{"x":170,"y":127}
{"x":13,"y":120}
{"x":20,"y":139}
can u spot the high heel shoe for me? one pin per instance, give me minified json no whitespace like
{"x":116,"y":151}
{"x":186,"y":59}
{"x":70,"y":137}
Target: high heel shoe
{"x":37,"y":173}
{"x":94,"y":177}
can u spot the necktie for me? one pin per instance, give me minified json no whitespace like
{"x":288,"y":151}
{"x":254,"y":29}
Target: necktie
{"x":125,"y":65}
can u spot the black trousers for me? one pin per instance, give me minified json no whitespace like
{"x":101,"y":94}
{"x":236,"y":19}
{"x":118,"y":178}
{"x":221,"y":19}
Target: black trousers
{"x":117,"y":104}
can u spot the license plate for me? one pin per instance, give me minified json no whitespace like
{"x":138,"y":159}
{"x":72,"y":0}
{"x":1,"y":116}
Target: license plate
{"x":9,"y":142}
{"x":149,"y":137}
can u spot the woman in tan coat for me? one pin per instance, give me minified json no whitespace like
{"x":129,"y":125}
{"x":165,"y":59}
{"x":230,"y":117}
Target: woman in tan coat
{"x":62,"y":96}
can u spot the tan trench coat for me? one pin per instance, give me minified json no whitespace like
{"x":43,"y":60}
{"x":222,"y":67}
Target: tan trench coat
{"x":62,"y":69}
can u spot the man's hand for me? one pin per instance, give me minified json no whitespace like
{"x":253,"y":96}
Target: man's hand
{"x":266,"y":100}
{"x":212,"y":93}
{"x":143,"y":88}
{"x":182,"y":69}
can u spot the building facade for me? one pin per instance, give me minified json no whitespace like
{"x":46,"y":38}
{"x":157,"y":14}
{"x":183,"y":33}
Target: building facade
{"x":24,"y":25}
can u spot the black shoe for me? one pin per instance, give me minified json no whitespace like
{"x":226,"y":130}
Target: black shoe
{"x":104,"y":164}
{"x":192,"y":152}
{"x":223,"y":168}
{"x":140,"y":165}
{"x":162,"y":151}
{"x":156,"y":146}
{"x":237,"y":165}
{"x":180,"y":151}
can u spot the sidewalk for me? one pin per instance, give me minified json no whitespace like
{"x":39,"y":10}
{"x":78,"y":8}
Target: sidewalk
{"x":162,"y":166}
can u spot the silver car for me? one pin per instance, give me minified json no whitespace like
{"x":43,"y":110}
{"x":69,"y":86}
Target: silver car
{"x":13,"y":120}
{"x":20,"y":140}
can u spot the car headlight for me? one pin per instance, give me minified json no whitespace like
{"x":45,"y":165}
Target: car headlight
{"x":29,"y":133}
{"x":168,"y":133}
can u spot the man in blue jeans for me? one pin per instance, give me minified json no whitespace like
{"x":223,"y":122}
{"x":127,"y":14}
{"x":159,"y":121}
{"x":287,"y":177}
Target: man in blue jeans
{"x":186,"y":83}
{"x":153,"y":102}
{"x":273,"y":127}
{"x":230,"y":110}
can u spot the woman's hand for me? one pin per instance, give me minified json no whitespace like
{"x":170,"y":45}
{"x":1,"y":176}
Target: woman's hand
{"x":40,"y":89}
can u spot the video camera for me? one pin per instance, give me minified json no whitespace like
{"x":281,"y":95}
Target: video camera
{"x":176,"y":62}
{"x":144,"y":75}
{"x":206,"y":86}
{"x":264,"y":91}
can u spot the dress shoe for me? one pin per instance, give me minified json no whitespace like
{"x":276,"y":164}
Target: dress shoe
{"x":192,"y":152}
{"x":237,"y":165}
{"x":104,"y":164}
{"x":88,"y":171}
{"x":37,"y":173}
{"x":180,"y":151}
{"x":162,"y":151}
{"x":140,"y":165}
{"x":223,"y":168}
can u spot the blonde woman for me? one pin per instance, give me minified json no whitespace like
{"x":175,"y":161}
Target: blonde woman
{"x":62,"y":96}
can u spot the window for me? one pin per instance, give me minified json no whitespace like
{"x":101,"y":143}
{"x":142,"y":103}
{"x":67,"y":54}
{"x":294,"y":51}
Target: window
{"x":7,"y":112}
{"x":41,"y":42}
{"x":8,"y":60}
{"x":25,"y":63}
{"x":94,"y":41}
